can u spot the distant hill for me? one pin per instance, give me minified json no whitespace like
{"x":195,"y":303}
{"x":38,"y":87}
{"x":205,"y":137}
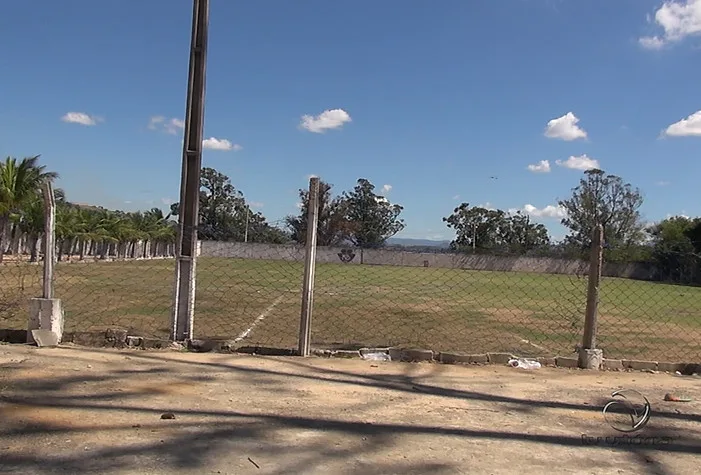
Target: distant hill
{"x":408,"y":242}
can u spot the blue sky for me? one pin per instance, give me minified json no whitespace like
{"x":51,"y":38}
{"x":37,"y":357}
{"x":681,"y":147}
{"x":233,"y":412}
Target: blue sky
{"x":430,"y":98}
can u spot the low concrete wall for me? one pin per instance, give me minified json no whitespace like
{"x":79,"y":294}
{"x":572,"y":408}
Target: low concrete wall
{"x":542,"y":265}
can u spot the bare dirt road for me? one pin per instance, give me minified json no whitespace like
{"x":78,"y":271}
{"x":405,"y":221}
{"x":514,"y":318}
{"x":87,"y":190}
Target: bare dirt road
{"x":78,"y":410}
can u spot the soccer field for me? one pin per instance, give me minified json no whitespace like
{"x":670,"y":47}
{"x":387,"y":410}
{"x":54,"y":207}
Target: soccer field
{"x":257,"y":302}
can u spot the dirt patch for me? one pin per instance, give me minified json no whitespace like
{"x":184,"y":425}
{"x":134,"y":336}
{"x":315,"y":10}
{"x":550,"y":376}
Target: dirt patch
{"x":74,"y":410}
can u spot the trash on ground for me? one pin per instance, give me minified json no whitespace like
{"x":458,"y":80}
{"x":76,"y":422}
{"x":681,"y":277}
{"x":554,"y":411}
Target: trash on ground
{"x":168,"y":415}
{"x":673,"y":398}
{"x":378,"y":356}
{"x":524,"y":363}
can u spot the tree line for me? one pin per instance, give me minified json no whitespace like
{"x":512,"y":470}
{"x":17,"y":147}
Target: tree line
{"x":359,"y":217}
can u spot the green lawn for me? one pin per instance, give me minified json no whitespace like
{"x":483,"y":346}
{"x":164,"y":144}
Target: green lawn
{"x":354,"y":305}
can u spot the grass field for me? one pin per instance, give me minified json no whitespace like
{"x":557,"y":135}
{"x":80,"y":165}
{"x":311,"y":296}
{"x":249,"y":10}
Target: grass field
{"x":258,"y":302}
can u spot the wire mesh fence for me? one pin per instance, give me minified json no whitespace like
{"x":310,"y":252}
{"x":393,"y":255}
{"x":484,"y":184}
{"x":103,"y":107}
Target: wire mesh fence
{"x":445,"y":304}
{"x":249,"y":290}
{"x":20,"y":280}
{"x":249,"y":293}
{"x":129,"y":294}
{"x":657,"y":321}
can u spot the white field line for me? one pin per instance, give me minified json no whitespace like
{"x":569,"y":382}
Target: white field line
{"x":533,"y":344}
{"x":259,"y":319}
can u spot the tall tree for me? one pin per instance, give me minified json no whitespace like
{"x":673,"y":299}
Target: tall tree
{"x":371,"y":219}
{"x":674,"y":251}
{"x":224,"y":214}
{"x":332,"y":227}
{"x":20,"y":182}
{"x":603,"y":199}
{"x":481,"y":229}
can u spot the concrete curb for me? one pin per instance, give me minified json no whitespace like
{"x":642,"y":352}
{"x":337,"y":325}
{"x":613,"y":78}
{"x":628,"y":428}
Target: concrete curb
{"x":120,"y":338}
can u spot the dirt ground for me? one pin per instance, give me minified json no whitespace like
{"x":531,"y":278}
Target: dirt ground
{"x":78,"y":410}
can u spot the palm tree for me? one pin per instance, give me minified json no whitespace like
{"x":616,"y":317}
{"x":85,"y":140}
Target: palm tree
{"x":20,"y":182}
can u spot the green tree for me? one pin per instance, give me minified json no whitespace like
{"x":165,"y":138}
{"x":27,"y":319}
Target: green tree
{"x":224,"y":214}
{"x":332,"y":227}
{"x":480,"y":229}
{"x":20,"y":182}
{"x":370,"y":218}
{"x":604,"y":199}
{"x":674,"y":251}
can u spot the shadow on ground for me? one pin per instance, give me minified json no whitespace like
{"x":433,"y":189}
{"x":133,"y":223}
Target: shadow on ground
{"x":73,"y":410}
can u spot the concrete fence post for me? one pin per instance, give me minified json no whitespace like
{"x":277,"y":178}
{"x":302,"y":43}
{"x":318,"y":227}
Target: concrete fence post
{"x":305,"y":322}
{"x":45,"y":325}
{"x":589,"y":356}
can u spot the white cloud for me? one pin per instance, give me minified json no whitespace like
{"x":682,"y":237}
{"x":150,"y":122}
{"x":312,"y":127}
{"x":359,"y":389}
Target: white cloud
{"x":690,"y":126}
{"x":550,"y":211}
{"x":679,"y":19}
{"x":309,"y":177}
{"x":456,"y":197}
{"x":651,"y":42}
{"x":299,"y":205}
{"x":80,"y":118}
{"x":581,"y":162}
{"x":214,"y":143}
{"x":541,"y":167}
{"x":565,"y":128}
{"x":327,"y":120}
{"x":255,"y":204}
{"x":662,"y":183}
{"x":169,"y":126}
{"x":486,"y":205}
{"x":166,"y":201}
{"x":386,"y":188}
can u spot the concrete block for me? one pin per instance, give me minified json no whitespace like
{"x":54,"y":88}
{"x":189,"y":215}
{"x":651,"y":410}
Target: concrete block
{"x":590,"y":358}
{"x":133,"y":341}
{"x":116,"y":336}
{"x":364,"y":351}
{"x":45,"y":314}
{"x":478,"y":359}
{"x":89,"y":339}
{"x":683,"y":368}
{"x":345,"y":354}
{"x":453,"y":358}
{"x":500,"y":358}
{"x":566,"y":362}
{"x":154,"y":343}
{"x":640,"y":365}
{"x":410,"y":355}
{"x":545,"y":361}
{"x":202,"y":346}
{"x":13,"y":336}
{"x":612,"y":364}
{"x":45,"y":338}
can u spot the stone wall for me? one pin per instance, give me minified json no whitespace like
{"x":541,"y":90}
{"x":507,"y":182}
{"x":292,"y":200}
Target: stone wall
{"x":335,"y":255}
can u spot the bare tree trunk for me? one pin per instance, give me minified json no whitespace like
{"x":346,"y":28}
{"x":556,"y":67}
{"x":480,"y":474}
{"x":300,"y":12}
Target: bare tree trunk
{"x":33,"y":245}
{"x":81,"y":249}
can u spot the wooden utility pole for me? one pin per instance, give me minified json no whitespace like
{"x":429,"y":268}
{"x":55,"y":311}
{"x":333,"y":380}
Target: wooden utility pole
{"x":186,"y":246}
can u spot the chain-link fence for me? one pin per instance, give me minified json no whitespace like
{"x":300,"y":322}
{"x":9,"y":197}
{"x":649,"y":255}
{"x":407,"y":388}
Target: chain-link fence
{"x":657,"y":321}
{"x":444,"y":302}
{"x":20,"y":280}
{"x":129,"y":294}
{"x":249,"y":293}
{"x":249,"y":290}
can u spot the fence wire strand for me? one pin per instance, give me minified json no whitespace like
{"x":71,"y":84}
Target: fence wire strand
{"x":250,"y":293}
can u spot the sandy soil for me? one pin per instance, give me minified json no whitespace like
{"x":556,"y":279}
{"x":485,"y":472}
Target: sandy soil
{"x":78,"y":410}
